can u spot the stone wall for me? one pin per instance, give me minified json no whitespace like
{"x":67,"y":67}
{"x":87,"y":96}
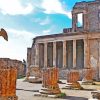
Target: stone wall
{"x":6,"y":63}
{"x":63,"y":73}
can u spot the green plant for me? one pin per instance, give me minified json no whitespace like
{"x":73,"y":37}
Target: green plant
{"x":61,"y":95}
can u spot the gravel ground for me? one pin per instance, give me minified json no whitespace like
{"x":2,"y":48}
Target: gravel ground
{"x":25,"y":91}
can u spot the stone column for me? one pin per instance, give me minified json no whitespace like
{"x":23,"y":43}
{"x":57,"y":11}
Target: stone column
{"x":37,"y":55}
{"x":28,"y":63}
{"x":86,"y":22}
{"x":86,"y":54}
{"x":45,"y":55}
{"x":64,"y":54}
{"x":54,"y":54}
{"x":99,"y":60}
{"x":74,"y":53}
{"x":74,"y":22}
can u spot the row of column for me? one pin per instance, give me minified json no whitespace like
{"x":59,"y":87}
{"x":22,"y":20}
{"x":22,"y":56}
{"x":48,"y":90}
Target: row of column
{"x":86,"y":54}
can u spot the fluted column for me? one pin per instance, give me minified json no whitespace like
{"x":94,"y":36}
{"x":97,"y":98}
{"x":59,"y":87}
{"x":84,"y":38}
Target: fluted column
{"x":74,"y":53}
{"x":54,"y":54}
{"x":64,"y":54}
{"x":45,"y":55}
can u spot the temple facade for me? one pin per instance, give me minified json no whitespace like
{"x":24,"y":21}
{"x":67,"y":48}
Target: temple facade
{"x":75,"y":48}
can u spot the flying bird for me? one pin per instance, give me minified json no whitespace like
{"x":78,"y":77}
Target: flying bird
{"x":3,"y":33}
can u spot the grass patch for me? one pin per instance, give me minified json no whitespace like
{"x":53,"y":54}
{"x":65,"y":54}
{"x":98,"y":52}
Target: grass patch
{"x":20,"y":77}
{"x":61,"y":95}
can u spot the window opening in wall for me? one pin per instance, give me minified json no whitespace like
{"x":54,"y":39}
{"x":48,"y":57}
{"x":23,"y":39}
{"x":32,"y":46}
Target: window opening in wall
{"x":80,"y":20}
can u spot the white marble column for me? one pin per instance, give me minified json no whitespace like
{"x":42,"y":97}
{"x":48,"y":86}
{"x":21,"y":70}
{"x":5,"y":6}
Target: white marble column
{"x":45,"y":55}
{"x":74,"y":53}
{"x":64,"y":54}
{"x":54,"y":54}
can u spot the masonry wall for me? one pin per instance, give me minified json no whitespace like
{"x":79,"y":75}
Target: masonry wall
{"x":93,"y":16}
{"x":95,"y":55}
{"x":6,"y":63}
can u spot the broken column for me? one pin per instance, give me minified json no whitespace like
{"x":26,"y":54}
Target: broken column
{"x":73,"y":77}
{"x":88,"y":74}
{"x":50,"y":79}
{"x":8,"y":84}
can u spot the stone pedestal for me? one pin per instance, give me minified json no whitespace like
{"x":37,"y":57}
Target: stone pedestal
{"x":8,"y":84}
{"x":88,"y":74}
{"x":36,"y":75}
{"x":72,"y":79}
{"x":50,"y":79}
{"x":9,"y":98}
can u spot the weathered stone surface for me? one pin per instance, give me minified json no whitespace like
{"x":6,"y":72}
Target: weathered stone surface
{"x":7,"y":63}
{"x":88,"y":74}
{"x":34,"y":75}
{"x":67,"y":51}
{"x":73,"y":76}
{"x":50,"y":79}
{"x":8,"y":78}
{"x":96,"y":94}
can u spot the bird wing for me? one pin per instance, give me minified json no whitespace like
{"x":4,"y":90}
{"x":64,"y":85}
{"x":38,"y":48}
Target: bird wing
{"x":3,"y":33}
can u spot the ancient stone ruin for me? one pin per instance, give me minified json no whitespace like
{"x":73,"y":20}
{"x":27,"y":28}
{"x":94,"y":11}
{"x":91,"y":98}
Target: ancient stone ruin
{"x":88,"y":75}
{"x":73,"y":77}
{"x":8,"y":78}
{"x":35,"y":76}
{"x":50,"y":81}
{"x":78,"y":46}
{"x":7,"y":63}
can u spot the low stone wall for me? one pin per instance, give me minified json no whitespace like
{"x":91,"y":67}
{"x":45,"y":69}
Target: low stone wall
{"x":7,"y":63}
{"x":63,"y":73}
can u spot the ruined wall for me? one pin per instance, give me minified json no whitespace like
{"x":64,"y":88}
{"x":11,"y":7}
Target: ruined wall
{"x":7,"y":63}
{"x":94,"y":55}
{"x":93,"y":16}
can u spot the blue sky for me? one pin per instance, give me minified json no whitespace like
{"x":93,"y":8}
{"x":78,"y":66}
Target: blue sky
{"x":26,"y":19}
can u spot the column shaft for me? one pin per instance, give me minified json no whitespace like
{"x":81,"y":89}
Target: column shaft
{"x":54,"y":54}
{"x":74,"y":53}
{"x":86,"y":53}
{"x":64,"y":54}
{"x":37,"y":55}
{"x":45,"y":55}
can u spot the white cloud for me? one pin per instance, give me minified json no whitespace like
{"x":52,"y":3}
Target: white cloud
{"x":14,"y":7}
{"x":16,"y":47}
{"x":46,"y":32}
{"x":54,"y":6}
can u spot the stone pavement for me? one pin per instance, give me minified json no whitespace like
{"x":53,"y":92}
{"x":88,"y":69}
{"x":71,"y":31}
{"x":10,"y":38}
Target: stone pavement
{"x":25,"y":91}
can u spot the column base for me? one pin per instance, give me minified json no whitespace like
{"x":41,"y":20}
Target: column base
{"x":8,"y":97}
